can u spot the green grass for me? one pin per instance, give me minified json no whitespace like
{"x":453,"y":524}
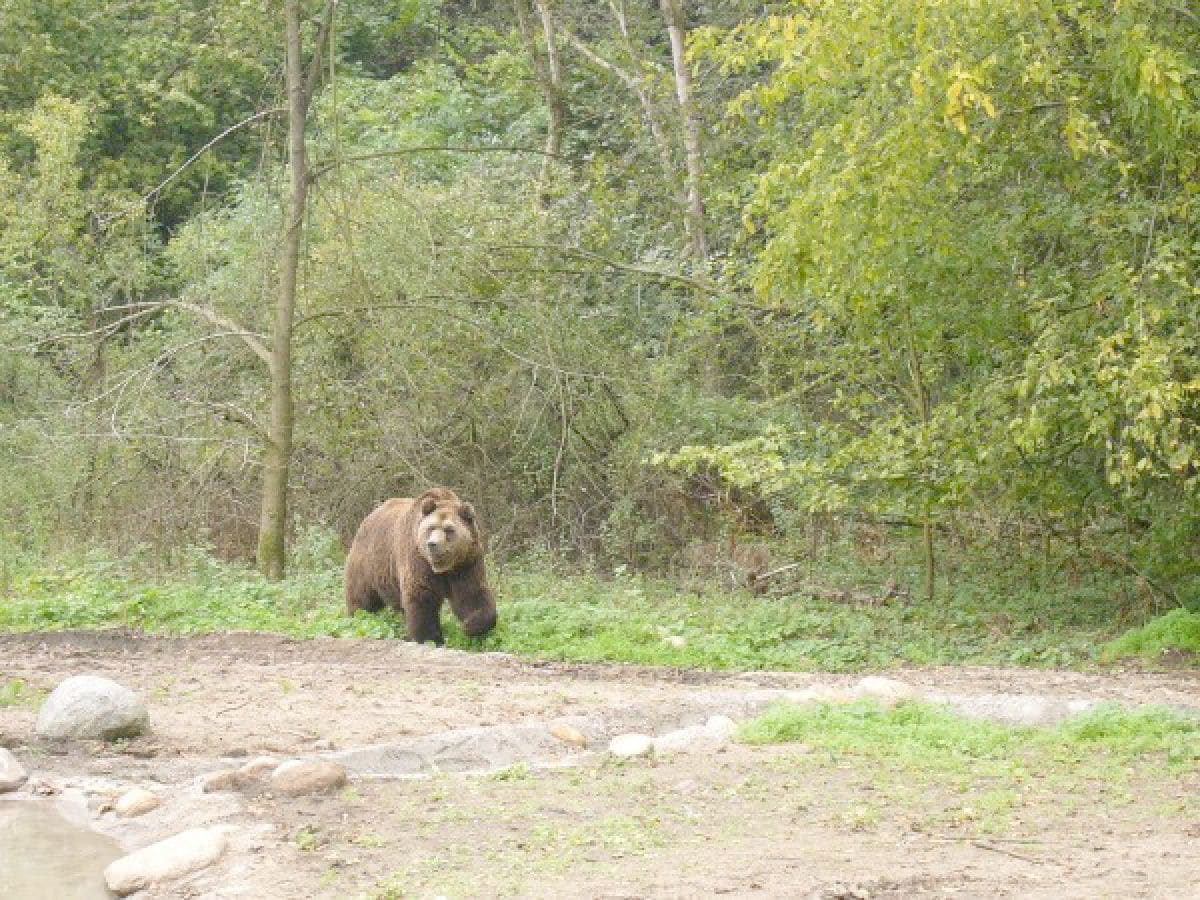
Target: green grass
{"x":16,"y":692}
{"x":923,"y":737}
{"x":1178,"y":631}
{"x":1006,"y":616}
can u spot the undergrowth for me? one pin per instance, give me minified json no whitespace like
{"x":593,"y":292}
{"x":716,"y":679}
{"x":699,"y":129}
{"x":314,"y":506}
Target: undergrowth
{"x":1176,"y":632}
{"x":987,"y":616}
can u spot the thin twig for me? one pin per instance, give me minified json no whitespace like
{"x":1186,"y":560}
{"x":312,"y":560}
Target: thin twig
{"x":105,"y":221}
{"x":322,"y":168}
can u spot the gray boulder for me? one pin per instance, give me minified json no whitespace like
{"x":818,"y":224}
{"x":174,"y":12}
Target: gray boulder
{"x":12,"y":773}
{"x":91,"y":707}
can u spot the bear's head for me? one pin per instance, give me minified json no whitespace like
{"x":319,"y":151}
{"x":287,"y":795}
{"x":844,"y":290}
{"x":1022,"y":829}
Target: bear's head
{"x":447,"y":533}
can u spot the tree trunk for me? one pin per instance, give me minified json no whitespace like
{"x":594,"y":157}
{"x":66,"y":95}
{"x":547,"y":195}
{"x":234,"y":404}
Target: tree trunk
{"x":272,"y":548}
{"x":549,"y":77}
{"x":673,"y":15}
{"x":924,"y":413}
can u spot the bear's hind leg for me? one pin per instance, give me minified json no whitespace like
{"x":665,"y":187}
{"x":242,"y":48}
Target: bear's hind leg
{"x":361,"y":596}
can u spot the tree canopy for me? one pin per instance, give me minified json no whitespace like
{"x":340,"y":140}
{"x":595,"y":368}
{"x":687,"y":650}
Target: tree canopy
{"x":925,"y":261}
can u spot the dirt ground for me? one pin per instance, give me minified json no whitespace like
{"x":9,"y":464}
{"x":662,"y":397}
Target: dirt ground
{"x":779,"y":821}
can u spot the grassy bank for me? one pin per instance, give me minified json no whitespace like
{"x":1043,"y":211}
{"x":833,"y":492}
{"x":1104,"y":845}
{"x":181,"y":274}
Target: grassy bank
{"x":990,"y":617}
{"x":988,"y":778}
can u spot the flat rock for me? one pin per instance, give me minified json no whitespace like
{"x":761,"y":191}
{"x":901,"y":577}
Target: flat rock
{"x":167,"y":860}
{"x":90,"y":707}
{"x":1013,"y":709}
{"x":628,"y":746}
{"x":12,"y":773}
{"x":687,"y":740}
{"x":135,"y":802}
{"x":307,"y":776}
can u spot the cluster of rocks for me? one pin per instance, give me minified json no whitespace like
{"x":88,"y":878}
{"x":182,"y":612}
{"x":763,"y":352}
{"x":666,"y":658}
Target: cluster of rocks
{"x":87,"y":707}
{"x":713,"y":735}
{"x":82,"y":707}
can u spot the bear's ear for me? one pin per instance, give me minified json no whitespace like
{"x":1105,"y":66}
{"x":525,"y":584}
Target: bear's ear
{"x":428,"y":504}
{"x":467,"y":511}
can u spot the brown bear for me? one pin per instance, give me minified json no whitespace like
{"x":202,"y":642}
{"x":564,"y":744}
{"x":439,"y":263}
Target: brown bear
{"x":411,"y":554}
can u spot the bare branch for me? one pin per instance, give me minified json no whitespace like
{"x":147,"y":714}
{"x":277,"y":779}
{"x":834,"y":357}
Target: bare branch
{"x":105,"y":221}
{"x":253,"y":340}
{"x":105,"y":330}
{"x":317,"y":171}
{"x":313,"y":77}
{"x":701,"y":284}
{"x":465,"y":320}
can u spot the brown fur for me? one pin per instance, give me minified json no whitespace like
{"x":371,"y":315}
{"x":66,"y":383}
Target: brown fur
{"x":411,"y":554}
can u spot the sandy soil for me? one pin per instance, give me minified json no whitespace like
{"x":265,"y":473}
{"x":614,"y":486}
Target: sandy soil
{"x":746,"y":821}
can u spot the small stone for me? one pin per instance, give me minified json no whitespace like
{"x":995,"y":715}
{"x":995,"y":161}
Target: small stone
{"x":12,"y":773}
{"x":89,"y":707}
{"x":568,"y":734}
{"x":675,"y":640}
{"x":627,"y":746}
{"x":167,"y":860}
{"x":258,"y":767}
{"x":135,"y":802}
{"x":225,"y":780}
{"x":721,"y":725}
{"x":308,"y":776}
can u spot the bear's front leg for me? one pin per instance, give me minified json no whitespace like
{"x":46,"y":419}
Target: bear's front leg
{"x":422,"y":616}
{"x":474,"y":605}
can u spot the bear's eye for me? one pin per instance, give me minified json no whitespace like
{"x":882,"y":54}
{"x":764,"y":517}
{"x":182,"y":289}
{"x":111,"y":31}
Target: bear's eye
{"x":449,"y":531}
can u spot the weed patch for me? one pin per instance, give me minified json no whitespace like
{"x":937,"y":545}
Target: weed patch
{"x":922,"y":737}
{"x":1176,"y":632}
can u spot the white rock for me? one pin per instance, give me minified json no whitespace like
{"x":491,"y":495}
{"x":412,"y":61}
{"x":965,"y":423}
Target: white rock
{"x":167,"y":860}
{"x":91,"y":707}
{"x":689,"y":740}
{"x":135,"y":802}
{"x":12,"y":773}
{"x":1014,"y":709}
{"x":675,"y":640}
{"x":721,"y":725}
{"x":627,"y":746}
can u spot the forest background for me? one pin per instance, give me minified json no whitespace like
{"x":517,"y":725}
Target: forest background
{"x":905,"y":291}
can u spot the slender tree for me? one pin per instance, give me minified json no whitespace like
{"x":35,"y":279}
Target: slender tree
{"x":272,"y":547}
{"x":690,"y":122}
{"x":548,"y":70}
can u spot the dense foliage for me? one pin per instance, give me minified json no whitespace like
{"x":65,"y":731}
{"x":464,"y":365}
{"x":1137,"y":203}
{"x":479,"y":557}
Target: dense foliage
{"x":950,"y":274}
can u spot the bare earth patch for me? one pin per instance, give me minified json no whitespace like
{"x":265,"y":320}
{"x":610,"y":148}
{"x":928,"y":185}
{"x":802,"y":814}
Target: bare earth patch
{"x":779,"y":821}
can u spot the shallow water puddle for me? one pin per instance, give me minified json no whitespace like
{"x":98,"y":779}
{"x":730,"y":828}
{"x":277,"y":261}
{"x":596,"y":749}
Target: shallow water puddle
{"x":45,"y":857}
